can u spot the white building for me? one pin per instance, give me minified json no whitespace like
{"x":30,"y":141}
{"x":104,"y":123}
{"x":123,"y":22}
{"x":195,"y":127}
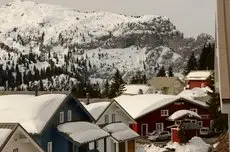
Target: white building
{"x":14,"y":138}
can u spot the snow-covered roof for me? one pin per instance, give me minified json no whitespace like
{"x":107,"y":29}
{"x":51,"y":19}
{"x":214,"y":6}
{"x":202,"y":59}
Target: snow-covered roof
{"x":196,"y":92}
{"x":198,"y":75}
{"x":120,"y":131}
{"x":96,"y":109}
{"x":4,"y":133}
{"x":134,"y":89}
{"x":32,"y":112}
{"x":181,"y":113}
{"x":140,"y":105}
{"x":82,"y":132}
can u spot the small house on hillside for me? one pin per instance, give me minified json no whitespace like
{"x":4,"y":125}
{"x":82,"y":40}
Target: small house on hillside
{"x":167,"y":85}
{"x":151,"y":111}
{"x":114,"y":119}
{"x":14,"y":138}
{"x":135,"y":89}
{"x":58,"y":123}
{"x":199,"y":79}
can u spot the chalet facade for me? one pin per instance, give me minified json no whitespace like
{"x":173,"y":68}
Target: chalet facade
{"x":56,"y":122}
{"x":151,"y":112}
{"x":14,"y":138}
{"x":199,"y":79}
{"x":114,"y":119}
{"x":167,"y":85}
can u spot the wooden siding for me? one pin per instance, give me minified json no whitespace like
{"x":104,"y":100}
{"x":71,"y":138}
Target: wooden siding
{"x":51,"y":133}
{"x":131,"y":146}
{"x":155,"y":117}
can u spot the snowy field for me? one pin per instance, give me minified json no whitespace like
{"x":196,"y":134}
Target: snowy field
{"x":196,"y":144}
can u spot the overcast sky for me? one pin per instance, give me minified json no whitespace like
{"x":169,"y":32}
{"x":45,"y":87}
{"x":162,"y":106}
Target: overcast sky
{"x":190,"y":16}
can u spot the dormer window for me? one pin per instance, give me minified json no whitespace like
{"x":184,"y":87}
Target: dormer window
{"x":194,"y":110}
{"x":61,"y":117}
{"x":106,"y":119}
{"x":69,"y":115}
{"x":113,"y":117}
{"x":164,"y":112}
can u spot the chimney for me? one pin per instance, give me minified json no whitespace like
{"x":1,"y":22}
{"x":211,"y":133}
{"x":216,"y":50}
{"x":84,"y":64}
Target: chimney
{"x":87,"y":99}
{"x":36,"y":90}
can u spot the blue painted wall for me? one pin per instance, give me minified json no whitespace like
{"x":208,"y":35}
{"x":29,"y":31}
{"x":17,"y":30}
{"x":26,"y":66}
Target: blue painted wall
{"x":50,"y":134}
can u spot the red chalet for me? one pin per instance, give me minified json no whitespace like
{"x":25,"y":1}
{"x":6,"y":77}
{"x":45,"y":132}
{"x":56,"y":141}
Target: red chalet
{"x":151,"y":111}
{"x":199,"y":79}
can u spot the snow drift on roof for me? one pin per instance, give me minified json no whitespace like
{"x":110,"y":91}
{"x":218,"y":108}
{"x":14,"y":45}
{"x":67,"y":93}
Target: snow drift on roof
{"x":32,"y":112}
{"x":4,"y":133}
{"x":134,"y":89}
{"x":140,"y":105}
{"x":82,"y":132}
{"x":120,"y":131}
{"x":198,"y":75}
{"x":196,"y":92}
{"x":96,"y":109}
{"x":181,"y":113}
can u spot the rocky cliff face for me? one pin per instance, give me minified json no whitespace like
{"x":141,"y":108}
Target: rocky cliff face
{"x":97,"y":42}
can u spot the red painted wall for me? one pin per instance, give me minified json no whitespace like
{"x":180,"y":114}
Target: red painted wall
{"x":133,"y":127}
{"x":155,"y":117}
{"x":197,"y":83}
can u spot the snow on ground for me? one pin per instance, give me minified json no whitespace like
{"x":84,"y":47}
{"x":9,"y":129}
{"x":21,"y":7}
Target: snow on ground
{"x":32,"y":112}
{"x":180,"y":113}
{"x":82,"y":132}
{"x":96,"y":109}
{"x":4,"y":133}
{"x":120,"y":131}
{"x":196,"y":144}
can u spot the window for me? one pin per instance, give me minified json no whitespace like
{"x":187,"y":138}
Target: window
{"x":61,"y":117}
{"x":113,"y":117}
{"x":200,"y":123}
{"x":194,"y":110}
{"x":178,"y":122}
{"x":159,"y":127}
{"x":106,"y":119}
{"x":193,"y":121}
{"x":69,"y":115}
{"x":49,"y":147}
{"x":204,"y":116}
{"x":164,"y":112}
{"x":15,"y":150}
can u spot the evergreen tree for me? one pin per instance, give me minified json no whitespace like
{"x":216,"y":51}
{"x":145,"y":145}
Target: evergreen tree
{"x":170,"y":72}
{"x":206,"y":60}
{"x":220,"y":120}
{"x":191,"y":64}
{"x":105,"y":92}
{"x":161,"y":72}
{"x":117,"y":86}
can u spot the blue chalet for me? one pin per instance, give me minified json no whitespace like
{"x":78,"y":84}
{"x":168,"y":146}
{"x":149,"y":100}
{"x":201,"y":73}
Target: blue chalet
{"x":58,"y":123}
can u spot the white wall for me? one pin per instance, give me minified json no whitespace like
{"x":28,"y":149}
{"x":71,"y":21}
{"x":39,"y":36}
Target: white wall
{"x":22,"y":146}
{"x":120,"y":115}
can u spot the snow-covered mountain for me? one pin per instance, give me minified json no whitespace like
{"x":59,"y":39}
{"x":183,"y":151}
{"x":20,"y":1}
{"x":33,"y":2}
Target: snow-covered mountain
{"x":38,"y":36}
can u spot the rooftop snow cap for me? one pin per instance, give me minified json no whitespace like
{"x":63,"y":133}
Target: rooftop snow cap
{"x":182,"y":113}
{"x":82,"y":132}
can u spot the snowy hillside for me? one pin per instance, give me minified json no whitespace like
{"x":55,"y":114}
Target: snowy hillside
{"x":36,"y":37}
